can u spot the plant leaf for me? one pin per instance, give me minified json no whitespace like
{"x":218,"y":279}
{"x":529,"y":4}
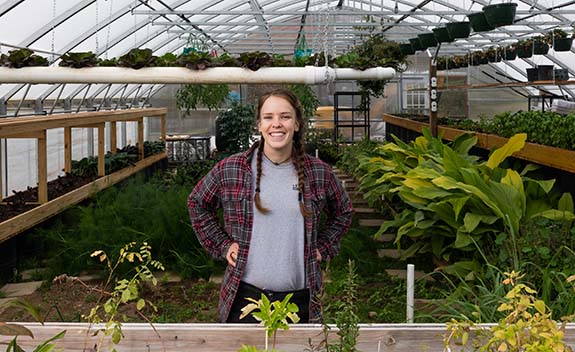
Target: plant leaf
{"x":514,"y":144}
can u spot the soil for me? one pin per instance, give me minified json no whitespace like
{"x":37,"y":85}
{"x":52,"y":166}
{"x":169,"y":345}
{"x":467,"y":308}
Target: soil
{"x":20,"y":202}
{"x":186,"y":301}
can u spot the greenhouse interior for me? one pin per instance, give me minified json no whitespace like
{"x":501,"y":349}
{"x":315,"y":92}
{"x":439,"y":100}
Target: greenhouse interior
{"x":431,"y":145}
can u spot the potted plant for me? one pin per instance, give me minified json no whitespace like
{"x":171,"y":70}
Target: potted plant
{"x":416,"y":44}
{"x":461,"y":60}
{"x":498,"y":15}
{"x":442,"y":35}
{"x":406,"y":49}
{"x":441,"y":63}
{"x":509,"y":52}
{"x":427,"y":40}
{"x":524,"y":48}
{"x":478,"y":22}
{"x":559,"y":40}
{"x":22,"y":58}
{"x":458,"y":29}
{"x":540,"y":46}
{"x":491,"y":54}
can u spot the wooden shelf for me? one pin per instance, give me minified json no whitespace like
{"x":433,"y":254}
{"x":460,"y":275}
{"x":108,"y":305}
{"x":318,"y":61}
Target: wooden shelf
{"x":557,"y":158}
{"x":507,"y":85}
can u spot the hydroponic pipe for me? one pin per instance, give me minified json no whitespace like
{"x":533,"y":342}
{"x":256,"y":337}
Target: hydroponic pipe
{"x":179,"y":75}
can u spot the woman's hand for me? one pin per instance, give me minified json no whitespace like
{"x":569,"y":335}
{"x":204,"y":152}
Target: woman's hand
{"x":232,"y":255}
{"x":318,"y":255}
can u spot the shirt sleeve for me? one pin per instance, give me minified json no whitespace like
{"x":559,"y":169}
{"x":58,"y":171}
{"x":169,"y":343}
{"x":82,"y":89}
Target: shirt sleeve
{"x":203,"y":205}
{"x":339,"y":215}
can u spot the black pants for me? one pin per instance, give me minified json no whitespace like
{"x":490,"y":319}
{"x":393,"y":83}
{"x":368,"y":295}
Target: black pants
{"x":245,"y":290}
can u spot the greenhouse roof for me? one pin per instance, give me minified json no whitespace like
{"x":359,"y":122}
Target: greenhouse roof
{"x":110,"y":28}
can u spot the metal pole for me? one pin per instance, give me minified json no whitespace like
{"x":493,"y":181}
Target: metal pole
{"x":410,"y":289}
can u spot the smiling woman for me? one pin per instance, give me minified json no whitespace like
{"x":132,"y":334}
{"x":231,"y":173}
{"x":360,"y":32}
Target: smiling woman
{"x":271,"y":235}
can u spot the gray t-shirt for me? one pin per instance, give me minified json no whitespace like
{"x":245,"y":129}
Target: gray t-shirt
{"x":276,"y":254}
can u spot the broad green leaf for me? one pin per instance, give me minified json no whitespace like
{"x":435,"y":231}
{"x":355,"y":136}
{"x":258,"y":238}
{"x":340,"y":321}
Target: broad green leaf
{"x":528,"y":168}
{"x":14,"y":330}
{"x":555,"y":214}
{"x":546,"y":185}
{"x":431,"y":192}
{"x":471,"y":221}
{"x":540,"y":306}
{"x":463,"y":143}
{"x":462,"y":240}
{"x":458,"y":204}
{"x":514,"y":144}
{"x":565,"y":202}
{"x":141,"y":304}
{"x":412,"y":250}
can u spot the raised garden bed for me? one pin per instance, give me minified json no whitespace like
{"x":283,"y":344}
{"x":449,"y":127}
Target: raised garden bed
{"x":558,"y":158}
{"x":230,"y":337}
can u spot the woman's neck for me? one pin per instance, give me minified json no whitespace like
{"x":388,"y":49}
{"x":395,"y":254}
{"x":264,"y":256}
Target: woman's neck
{"x":277,"y":158}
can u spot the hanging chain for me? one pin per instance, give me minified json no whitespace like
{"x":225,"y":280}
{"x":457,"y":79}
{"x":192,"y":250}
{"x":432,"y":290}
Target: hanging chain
{"x":108,"y":27}
{"x":53,"y":39}
{"x":97,"y":28}
{"x":324,"y":39}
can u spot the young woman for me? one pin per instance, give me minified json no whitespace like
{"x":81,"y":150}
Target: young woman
{"x":272,"y":197}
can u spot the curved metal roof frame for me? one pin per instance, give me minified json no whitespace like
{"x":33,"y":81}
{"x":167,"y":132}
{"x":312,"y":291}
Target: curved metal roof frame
{"x":217,"y":27}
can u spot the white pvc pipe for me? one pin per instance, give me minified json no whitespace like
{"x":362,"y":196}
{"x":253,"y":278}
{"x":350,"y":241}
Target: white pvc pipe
{"x":410,"y":291}
{"x":180,"y":75}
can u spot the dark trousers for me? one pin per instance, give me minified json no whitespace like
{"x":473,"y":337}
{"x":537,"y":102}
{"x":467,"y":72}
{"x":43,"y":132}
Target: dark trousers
{"x":245,"y":290}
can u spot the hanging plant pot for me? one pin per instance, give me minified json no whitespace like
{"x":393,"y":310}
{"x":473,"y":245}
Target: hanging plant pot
{"x":525,"y":51}
{"x":509,"y":54}
{"x":498,"y":15}
{"x":458,"y":29}
{"x":427,"y":39}
{"x":563,"y":44}
{"x":442,"y":35}
{"x":406,"y":49}
{"x":532,"y":74}
{"x":478,"y":22}
{"x":415,"y":44}
{"x":540,"y":48}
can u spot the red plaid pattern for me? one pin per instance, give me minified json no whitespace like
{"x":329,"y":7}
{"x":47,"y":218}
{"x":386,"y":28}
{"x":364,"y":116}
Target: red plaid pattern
{"x":228,"y":186}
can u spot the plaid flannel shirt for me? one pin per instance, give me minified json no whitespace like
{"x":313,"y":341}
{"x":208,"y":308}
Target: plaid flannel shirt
{"x":229,"y":186}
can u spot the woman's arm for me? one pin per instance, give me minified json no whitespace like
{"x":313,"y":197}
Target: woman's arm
{"x":203,"y":205}
{"x":339,"y":211}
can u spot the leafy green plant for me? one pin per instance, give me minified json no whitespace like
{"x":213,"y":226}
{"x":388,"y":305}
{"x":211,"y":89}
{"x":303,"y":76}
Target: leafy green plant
{"x":113,"y":62}
{"x":273,"y":316}
{"x":235,"y":128}
{"x":255,"y":60}
{"x":450,"y":199}
{"x":307,"y":98}
{"x":196,"y":60}
{"x":137,"y":58}
{"x":528,"y":325}
{"x":125,"y":291}
{"x":79,"y":59}
{"x":168,"y":59}
{"x":346,"y":317}
{"x":22,"y":58}
{"x":192,"y":96}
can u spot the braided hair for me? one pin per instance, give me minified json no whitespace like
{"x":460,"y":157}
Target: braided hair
{"x":298,"y":153}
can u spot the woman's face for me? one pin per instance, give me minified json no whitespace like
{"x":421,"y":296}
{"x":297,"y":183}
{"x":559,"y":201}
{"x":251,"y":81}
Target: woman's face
{"x":277,"y":124}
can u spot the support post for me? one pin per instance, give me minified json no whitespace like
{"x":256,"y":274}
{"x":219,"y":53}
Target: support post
{"x":67,"y":149}
{"x":141,"y":138}
{"x":433,"y":101}
{"x":163,"y":127}
{"x":113,"y":137}
{"x":101,"y":150}
{"x":42,"y":169}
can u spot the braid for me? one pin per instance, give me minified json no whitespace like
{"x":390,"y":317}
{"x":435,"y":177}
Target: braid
{"x":257,"y":199}
{"x":298,"y":158}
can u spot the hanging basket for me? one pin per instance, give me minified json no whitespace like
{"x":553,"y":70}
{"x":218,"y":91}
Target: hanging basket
{"x":540,"y":48}
{"x":509,"y":54}
{"x":532,"y":74}
{"x":415,"y":44}
{"x":498,"y":15}
{"x":478,"y":22}
{"x":442,"y":35}
{"x":406,"y":49}
{"x":427,"y":39}
{"x":525,"y":51}
{"x":563,"y":44}
{"x":458,"y":29}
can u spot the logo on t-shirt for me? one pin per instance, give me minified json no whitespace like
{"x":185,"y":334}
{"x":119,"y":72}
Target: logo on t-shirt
{"x":294,"y":187}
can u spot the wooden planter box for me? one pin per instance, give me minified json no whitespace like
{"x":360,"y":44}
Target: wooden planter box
{"x":29,"y":219}
{"x":558,"y":158}
{"x":230,"y":337}
{"x":36,"y":127}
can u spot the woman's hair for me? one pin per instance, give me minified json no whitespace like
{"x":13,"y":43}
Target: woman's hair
{"x":298,"y":152}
